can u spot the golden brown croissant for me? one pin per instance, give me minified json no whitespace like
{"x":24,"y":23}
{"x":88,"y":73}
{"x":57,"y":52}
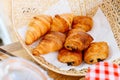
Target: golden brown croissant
{"x":38,"y":26}
{"x":78,"y":41}
{"x":52,"y":41}
{"x":76,"y":30}
{"x":96,"y":52}
{"x":70,"y":57}
{"x":62,"y":22}
{"x":83,"y":22}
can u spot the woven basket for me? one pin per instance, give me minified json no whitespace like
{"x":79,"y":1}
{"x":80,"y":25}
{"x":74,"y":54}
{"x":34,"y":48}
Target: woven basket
{"x":23,"y":10}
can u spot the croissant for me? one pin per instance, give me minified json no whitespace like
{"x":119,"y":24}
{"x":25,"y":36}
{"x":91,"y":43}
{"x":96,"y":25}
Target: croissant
{"x":78,"y":41}
{"x":83,"y":22}
{"x":51,"y":42}
{"x":38,"y":26}
{"x":76,"y":30}
{"x":72,"y":58}
{"x":62,"y":22}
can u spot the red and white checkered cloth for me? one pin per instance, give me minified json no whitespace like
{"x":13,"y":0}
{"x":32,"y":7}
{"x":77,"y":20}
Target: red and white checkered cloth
{"x":103,"y":71}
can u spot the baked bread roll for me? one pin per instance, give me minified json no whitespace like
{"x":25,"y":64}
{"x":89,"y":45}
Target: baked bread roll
{"x":83,"y":22}
{"x":96,"y":52}
{"x":76,"y":30}
{"x":51,"y":42}
{"x":78,"y":40}
{"x":37,"y":27}
{"x":70,"y":57}
{"x":62,"y":22}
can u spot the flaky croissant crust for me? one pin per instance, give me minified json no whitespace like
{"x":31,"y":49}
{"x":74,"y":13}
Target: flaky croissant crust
{"x":62,"y":22}
{"x":51,"y":42}
{"x":38,"y":26}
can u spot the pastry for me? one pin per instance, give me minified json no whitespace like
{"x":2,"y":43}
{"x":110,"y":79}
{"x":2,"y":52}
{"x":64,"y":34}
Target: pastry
{"x":72,"y":58}
{"x":37,"y":27}
{"x":76,"y":30}
{"x":51,"y":42}
{"x":78,"y":41}
{"x":62,"y":22}
{"x":83,"y":22}
{"x":96,"y":52}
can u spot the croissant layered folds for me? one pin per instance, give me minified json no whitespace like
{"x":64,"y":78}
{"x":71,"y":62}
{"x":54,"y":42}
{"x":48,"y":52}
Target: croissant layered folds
{"x":83,"y":22}
{"x":38,"y":26}
{"x":77,"y":40}
{"x":76,"y":30}
{"x":62,"y":22}
{"x":51,"y":42}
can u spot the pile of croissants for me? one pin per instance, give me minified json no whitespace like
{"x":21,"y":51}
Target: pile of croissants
{"x":67,"y":34}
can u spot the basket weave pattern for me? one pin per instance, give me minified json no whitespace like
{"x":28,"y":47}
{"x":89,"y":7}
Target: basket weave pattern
{"x":111,"y":9}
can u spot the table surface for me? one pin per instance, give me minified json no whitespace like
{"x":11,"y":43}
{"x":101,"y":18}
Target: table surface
{"x":17,"y":50}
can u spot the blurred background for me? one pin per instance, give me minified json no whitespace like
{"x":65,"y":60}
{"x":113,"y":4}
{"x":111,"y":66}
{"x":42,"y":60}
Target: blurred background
{"x":7,"y":34}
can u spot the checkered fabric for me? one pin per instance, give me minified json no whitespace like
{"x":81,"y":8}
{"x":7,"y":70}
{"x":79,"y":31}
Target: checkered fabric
{"x":103,"y":71}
